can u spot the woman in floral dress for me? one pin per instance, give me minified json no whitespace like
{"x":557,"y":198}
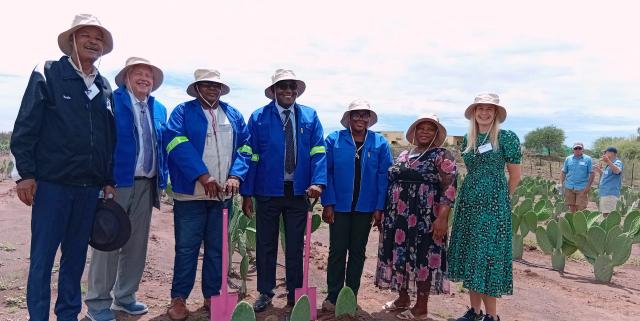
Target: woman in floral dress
{"x":480,"y":247}
{"x":412,"y":253}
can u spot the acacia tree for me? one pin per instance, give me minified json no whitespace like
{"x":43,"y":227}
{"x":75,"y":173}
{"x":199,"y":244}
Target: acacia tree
{"x":548,"y":139}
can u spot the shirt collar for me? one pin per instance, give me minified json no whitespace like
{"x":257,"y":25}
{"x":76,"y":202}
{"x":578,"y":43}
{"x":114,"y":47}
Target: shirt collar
{"x":94,"y":70}
{"x":281,"y":109}
{"x":135,"y":99}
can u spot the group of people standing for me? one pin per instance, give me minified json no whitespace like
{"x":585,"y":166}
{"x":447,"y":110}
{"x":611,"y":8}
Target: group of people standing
{"x":74,"y":138}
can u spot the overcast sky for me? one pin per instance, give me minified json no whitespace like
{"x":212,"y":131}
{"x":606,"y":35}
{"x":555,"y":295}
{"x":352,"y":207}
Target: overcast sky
{"x":572,"y":64}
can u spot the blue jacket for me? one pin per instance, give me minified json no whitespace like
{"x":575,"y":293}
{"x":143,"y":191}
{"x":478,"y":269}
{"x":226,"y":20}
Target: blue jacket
{"x":185,"y":138}
{"x":127,"y":147}
{"x":266,"y":173}
{"x":374,"y":165}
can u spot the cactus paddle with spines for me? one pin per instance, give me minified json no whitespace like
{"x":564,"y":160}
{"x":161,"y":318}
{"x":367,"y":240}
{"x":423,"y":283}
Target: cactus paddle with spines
{"x":243,"y":312}
{"x":346,"y":304}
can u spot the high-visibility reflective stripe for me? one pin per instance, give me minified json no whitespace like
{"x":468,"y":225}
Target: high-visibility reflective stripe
{"x":245,"y":149}
{"x":175,"y":142}
{"x":255,"y":157}
{"x":317,"y":150}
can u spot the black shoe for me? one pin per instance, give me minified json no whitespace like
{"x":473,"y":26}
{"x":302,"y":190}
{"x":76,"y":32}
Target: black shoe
{"x":471,"y":315}
{"x":262,"y":303}
{"x":490,"y":318}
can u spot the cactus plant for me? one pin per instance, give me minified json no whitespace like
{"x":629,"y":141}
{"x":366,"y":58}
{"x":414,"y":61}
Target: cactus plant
{"x":243,"y":312}
{"x":605,"y":249}
{"x":301,"y":310}
{"x":346,"y":304}
{"x":551,"y":242}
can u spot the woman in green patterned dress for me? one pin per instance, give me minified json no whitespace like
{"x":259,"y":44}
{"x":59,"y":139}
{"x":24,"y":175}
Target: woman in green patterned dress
{"x":480,"y":246}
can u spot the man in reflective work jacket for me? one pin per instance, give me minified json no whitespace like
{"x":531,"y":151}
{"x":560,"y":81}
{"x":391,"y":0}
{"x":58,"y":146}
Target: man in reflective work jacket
{"x":288,"y":163}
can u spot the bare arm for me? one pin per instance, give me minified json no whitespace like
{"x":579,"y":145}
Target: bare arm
{"x":514,"y":177}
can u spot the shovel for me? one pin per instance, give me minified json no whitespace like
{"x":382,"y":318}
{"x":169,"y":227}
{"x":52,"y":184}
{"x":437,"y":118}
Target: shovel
{"x":306,"y":290}
{"x":222,"y":305}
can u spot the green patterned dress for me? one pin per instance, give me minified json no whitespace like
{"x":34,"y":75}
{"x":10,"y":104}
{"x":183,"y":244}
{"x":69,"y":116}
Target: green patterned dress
{"x":480,"y":244}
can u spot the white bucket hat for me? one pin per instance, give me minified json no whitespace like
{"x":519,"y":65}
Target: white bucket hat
{"x":133,"y":61}
{"x":359,"y":104}
{"x":487,"y":98}
{"x":207,"y":75}
{"x":432,"y":118}
{"x":80,"y":21}
{"x":284,"y":74}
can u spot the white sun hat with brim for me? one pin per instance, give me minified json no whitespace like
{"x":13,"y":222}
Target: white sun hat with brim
{"x":432,"y":118}
{"x":284,"y":74}
{"x":81,"y":21}
{"x":207,"y":75}
{"x":487,"y":98}
{"x":359,"y":104}
{"x":158,"y":76}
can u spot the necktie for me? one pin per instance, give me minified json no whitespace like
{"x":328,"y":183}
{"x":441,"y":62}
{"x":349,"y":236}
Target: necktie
{"x":147,"y":140}
{"x":290,"y":158}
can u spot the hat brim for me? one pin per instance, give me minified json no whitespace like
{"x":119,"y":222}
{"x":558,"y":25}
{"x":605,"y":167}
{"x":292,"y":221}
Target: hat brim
{"x":372,"y":120}
{"x":158,"y":76}
{"x":110,"y":215}
{"x":441,"y":135}
{"x":501,"y":115}
{"x":191,"y":89}
{"x":301,"y":88}
{"x":64,"y":39}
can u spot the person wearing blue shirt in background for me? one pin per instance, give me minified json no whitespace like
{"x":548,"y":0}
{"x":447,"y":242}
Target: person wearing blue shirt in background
{"x":610,"y":180}
{"x":288,"y":164}
{"x":357,"y":163}
{"x":577,"y":177}
{"x":206,"y":142}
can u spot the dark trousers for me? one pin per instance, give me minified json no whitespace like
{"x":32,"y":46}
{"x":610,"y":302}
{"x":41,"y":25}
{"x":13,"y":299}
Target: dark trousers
{"x":62,"y":216}
{"x":349,"y":233}
{"x":196,"y":222}
{"x":294,"y":212}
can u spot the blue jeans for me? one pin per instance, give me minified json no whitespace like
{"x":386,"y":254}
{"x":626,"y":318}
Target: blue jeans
{"x":62,"y":216}
{"x":195,"y":222}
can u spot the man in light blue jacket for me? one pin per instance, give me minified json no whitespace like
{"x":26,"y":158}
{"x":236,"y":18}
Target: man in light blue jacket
{"x":357,"y":164}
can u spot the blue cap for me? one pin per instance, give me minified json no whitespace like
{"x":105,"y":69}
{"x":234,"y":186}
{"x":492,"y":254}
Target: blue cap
{"x":611,"y":149}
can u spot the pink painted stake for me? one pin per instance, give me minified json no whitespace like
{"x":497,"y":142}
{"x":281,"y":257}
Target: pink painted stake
{"x":222,"y":305}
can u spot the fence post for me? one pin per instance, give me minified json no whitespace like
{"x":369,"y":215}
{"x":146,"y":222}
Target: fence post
{"x":633,"y":166}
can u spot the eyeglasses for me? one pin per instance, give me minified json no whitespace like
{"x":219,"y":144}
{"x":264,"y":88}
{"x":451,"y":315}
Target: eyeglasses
{"x":577,"y":148}
{"x":209,"y":85}
{"x":360,"y":116}
{"x":284,"y":85}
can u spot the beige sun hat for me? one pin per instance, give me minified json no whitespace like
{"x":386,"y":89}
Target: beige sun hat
{"x":284,"y":74}
{"x":359,"y":104}
{"x":207,"y":75}
{"x":432,"y":118}
{"x":80,"y":21}
{"x":158,"y":76}
{"x":487,"y":98}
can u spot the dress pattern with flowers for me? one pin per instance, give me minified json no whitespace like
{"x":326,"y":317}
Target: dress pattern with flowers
{"x":407,"y":252}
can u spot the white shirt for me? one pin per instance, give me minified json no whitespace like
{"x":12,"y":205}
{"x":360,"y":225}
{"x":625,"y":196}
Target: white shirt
{"x":88,"y":79}
{"x":217,"y":154}
{"x":141,"y":143}
{"x":292,"y":119}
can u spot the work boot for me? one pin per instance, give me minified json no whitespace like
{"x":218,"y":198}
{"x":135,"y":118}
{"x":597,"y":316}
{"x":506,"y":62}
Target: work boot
{"x":178,"y":310}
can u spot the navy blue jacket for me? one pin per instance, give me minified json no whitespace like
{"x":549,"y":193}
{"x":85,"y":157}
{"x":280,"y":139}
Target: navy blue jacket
{"x":61,"y":135}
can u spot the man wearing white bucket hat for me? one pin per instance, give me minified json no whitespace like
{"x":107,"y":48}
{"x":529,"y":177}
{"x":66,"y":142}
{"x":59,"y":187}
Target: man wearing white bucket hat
{"x":288,"y":164}
{"x":63,"y":141}
{"x":208,"y":155}
{"x":357,"y":164}
{"x":140,"y":172}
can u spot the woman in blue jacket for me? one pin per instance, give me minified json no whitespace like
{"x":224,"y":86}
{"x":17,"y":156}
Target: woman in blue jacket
{"x":357,"y":164}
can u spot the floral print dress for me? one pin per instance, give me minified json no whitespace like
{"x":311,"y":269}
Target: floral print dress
{"x":480,"y":248}
{"x":407,"y":252}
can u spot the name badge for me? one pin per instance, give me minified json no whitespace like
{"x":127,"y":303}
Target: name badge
{"x":485,"y":148}
{"x":92,"y":92}
{"x":582,"y":163}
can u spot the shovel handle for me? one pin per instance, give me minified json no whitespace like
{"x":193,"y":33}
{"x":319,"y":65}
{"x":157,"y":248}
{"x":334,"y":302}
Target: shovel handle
{"x":311,"y":204}
{"x":225,"y":250}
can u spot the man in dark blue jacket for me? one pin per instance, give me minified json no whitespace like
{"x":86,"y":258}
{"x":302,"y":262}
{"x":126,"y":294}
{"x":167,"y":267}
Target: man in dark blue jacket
{"x":63,"y":142}
{"x":140,"y":174}
{"x":288,"y":163}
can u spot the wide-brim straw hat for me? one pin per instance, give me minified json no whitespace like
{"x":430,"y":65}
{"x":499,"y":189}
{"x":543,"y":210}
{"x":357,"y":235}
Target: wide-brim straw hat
{"x":207,"y":75}
{"x":284,"y":74}
{"x":359,"y":104}
{"x":158,"y":76}
{"x":487,"y":98}
{"x":80,"y":21}
{"x":441,"y":135}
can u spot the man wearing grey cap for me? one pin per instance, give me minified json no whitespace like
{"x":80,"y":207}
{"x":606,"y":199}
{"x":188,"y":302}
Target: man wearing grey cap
{"x":577,"y":177}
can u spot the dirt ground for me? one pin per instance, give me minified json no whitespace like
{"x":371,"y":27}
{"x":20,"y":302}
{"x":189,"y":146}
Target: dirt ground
{"x":539,"y":294}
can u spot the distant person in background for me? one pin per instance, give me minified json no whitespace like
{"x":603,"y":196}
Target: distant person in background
{"x":577,"y":177}
{"x":480,"y":250}
{"x":140,"y":172}
{"x":412,"y":255}
{"x":357,"y":164}
{"x":610,"y":180}
{"x":63,"y":142}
